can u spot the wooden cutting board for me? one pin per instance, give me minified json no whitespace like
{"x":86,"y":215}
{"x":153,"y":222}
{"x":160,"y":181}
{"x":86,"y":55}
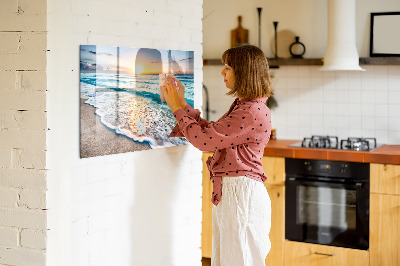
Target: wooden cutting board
{"x":239,"y":35}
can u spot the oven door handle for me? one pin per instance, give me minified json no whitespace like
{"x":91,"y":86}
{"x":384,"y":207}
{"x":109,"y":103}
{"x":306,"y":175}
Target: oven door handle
{"x":357,"y":185}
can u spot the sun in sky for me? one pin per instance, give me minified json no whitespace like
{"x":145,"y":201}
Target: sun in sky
{"x":148,"y":61}
{"x":139,"y":69}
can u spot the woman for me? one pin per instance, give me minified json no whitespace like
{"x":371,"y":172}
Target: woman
{"x":242,"y":208}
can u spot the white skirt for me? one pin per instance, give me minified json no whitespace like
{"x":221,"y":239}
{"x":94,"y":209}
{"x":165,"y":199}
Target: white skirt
{"x":241,"y":223}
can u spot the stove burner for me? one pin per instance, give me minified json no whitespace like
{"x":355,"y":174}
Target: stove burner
{"x":332,"y":142}
{"x":358,"y":144}
{"x":328,"y":142}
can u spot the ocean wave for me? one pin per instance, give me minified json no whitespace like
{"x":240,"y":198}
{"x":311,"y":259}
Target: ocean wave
{"x":119,"y":109}
{"x":141,"y":85}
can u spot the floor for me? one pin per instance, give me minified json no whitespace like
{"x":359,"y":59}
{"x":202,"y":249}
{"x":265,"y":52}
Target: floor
{"x":206,"y":261}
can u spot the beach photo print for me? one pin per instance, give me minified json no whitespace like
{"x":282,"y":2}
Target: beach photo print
{"x":122,"y":108}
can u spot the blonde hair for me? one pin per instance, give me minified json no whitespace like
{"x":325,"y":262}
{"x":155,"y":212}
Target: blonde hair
{"x":250,"y":66}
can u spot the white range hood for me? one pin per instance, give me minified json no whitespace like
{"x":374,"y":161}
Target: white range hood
{"x":341,"y":51}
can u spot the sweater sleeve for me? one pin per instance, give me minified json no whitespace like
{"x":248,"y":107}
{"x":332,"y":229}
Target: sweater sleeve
{"x":193,"y":113}
{"x":229,"y":131}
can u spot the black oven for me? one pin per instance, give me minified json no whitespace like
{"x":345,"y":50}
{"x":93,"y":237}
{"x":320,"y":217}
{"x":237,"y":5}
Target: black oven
{"x":327,"y":202}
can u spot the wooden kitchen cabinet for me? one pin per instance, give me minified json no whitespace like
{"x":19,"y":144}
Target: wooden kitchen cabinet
{"x":274,"y":168}
{"x":384,"y":236}
{"x":277,"y":233}
{"x":305,"y":254}
{"x":385,"y":215}
{"x":206,"y":225}
{"x":385,"y":178}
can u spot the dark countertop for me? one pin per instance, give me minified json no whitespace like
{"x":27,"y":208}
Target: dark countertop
{"x":389,"y":154}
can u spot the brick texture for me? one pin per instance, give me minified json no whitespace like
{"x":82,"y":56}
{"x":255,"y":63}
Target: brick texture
{"x":23,"y":218}
{"x":17,"y":256}
{"x":33,"y":199}
{"x":9,"y":237}
{"x":33,"y":239}
{"x":23,"y":126}
{"x":8,"y":197}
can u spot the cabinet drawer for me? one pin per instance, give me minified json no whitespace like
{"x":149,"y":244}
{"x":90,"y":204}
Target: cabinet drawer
{"x":304,"y":254}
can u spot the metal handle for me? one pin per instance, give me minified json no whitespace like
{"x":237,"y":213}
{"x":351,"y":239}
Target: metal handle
{"x":324,"y":254}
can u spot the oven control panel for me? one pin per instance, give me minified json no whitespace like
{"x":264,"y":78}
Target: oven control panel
{"x":325,"y":167}
{"x":337,"y":169}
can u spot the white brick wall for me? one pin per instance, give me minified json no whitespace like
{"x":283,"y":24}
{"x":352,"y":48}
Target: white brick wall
{"x":22,"y":132}
{"x":9,"y":197}
{"x":9,"y":237}
{"x":33,"y":239}
{"x":140,"y":208}
{"x":24,"y":256}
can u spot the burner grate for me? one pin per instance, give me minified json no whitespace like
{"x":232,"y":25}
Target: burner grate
{"x":327,"y":142}
{"x":332,"y":142}
{"x":358,"y":144}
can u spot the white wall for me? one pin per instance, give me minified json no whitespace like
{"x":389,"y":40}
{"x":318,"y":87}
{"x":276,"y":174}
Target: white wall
{"x":343,"y":104}
{"x":306,"y":19}
{"x":311,"y":102}
{"x":140,"y":208}
{"x":23,"y":133}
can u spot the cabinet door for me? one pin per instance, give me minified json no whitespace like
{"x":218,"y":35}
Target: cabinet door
{"x":385,"y":178}
{"x":384,"y":230}
{"x":274,"y":168}
{"x":206,"y":232}
{"x":304,"y":254}
{"x":277,"y":233}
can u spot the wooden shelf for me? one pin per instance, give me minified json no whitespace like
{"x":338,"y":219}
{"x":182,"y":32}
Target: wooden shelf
{"x":295,"y":62}
{"x":380,"y":61}
{"x":274,"y":63}
{"x":212,"y":62}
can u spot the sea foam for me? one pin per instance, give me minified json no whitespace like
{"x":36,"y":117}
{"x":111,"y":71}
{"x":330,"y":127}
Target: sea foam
{"x":120,"y":100}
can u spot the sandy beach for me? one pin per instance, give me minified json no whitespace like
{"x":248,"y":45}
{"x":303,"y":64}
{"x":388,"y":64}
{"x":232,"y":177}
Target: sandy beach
{"x":98,"y":140}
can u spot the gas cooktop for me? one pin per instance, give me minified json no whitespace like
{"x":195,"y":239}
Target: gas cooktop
{"x":332,"y":142}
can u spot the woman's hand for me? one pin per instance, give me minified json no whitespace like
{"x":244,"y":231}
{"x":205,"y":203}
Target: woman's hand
{"x":181,"y":91}
{"x":173,"y":94}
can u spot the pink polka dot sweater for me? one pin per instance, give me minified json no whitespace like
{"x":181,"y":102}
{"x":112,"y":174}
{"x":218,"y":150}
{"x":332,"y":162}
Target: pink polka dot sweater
{"x":238,"y":139}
